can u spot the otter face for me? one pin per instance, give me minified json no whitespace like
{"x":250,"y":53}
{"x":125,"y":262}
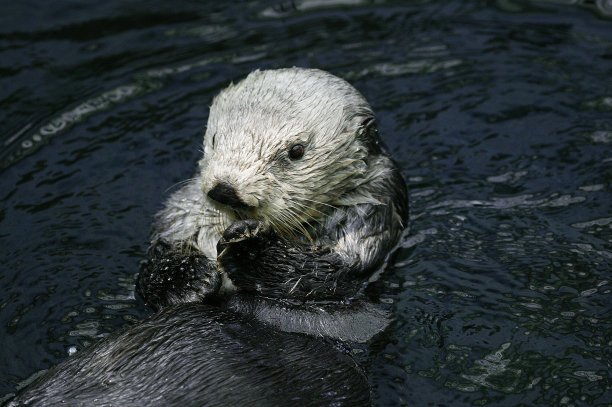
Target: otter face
{"x":283,"y":147}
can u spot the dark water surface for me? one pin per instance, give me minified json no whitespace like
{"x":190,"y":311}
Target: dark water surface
{"x":500,"y":113}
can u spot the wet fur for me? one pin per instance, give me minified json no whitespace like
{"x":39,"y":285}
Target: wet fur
{"x":199,"y":355}
{"x":328,"y":220}
{"x":246,"y":296}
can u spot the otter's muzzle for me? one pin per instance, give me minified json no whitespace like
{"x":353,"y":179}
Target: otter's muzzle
{"x":226,"y":194}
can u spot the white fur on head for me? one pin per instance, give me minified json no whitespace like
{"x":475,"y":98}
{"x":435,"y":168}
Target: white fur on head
{"x":253,"y":124}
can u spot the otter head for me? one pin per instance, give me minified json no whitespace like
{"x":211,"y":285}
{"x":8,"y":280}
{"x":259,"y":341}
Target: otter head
{"x":287,"y":146}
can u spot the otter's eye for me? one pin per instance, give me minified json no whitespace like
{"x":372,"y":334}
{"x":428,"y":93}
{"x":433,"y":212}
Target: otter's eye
{"x":296,"y":151}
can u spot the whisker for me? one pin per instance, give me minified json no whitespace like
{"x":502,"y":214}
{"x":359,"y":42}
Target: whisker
{"x":320,"y":203}
{"x":180,"y":183}
{"x":297,"y":222}
{"x":306,"y":208}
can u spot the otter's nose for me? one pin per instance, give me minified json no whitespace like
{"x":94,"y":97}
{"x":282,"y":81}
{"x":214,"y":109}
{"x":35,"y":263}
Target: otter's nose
{"x":226,"y":194}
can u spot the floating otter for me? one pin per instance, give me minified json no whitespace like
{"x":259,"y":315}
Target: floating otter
{"x":296,"y":198}
{"x":295,"y":206}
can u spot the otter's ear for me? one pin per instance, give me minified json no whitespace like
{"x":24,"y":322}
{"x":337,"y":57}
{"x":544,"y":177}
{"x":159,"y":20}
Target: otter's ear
{"x":367,"y":134}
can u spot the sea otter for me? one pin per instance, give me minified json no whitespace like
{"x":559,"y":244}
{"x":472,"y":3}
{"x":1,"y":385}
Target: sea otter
{"x":257,"y":264}
{"x":296,"y":198}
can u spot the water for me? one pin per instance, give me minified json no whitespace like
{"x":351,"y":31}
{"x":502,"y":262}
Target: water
{"x":500,"y":113}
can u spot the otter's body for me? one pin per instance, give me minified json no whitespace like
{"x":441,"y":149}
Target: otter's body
{"x":198,"y":355}
{"x":296,"y":197}
{"x":258,"y":261}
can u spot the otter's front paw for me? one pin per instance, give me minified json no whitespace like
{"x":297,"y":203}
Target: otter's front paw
{"x":171,"y":276}
{"x":242,"y":234}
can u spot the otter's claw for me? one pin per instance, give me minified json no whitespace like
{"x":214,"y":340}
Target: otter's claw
{"x":241,"y":231}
